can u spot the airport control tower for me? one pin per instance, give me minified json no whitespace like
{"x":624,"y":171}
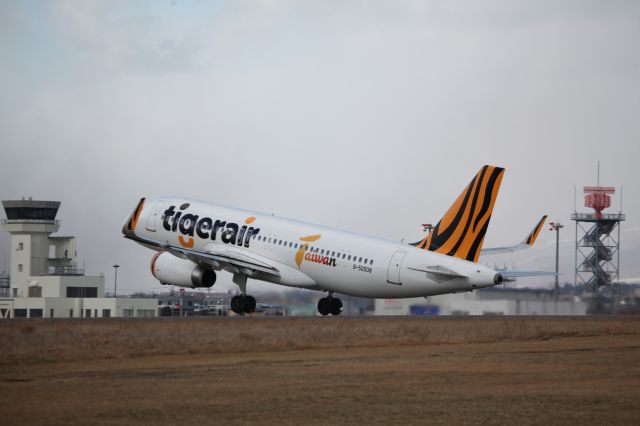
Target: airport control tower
{"x":42,"y":265}
{"x":597,"y":242}
{"x":44,"y":280}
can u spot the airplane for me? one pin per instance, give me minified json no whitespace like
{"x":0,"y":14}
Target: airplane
{"x":528,"y":242}
{"x":195,"y":240}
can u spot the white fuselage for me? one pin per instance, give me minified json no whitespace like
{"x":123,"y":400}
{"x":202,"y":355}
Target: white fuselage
{"x":333,"y":260}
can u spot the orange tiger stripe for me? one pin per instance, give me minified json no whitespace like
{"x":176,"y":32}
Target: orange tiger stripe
{"x":136,"y":215}
{"x":461,"y":230}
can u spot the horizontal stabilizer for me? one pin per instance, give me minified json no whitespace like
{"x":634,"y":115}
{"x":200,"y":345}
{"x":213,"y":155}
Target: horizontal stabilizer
{"x":511,"y":275}
{"x":438,"y":270}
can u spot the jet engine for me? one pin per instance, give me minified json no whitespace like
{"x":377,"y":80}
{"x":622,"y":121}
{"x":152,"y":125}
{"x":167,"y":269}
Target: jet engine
{"x":169,"y":269}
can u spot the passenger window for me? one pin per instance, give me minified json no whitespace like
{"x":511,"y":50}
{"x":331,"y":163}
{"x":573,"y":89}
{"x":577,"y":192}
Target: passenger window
{"x":371,"y":262}
{"x":290,"y":244}
{"x":349,"y":258}
{"x":322,"y":251}
{"x":360,"y":260}
{"x":366,"y":261}
{"x":333,"y":253}
{"x":295,"y":245}
{"x":344,"y":255}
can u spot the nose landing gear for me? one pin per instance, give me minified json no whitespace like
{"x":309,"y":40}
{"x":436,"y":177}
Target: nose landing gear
{"x":330,"y":305}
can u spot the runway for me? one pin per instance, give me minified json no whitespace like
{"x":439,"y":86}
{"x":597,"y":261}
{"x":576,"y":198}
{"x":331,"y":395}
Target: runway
{"x":366,"y":371}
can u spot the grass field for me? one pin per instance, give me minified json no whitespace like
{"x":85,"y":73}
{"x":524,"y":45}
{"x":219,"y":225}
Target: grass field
{"x":321,"y":371}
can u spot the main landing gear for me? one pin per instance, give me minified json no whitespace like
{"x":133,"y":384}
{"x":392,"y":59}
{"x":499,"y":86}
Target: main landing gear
{"x":243,"y":304}
{"x":330,"y":305}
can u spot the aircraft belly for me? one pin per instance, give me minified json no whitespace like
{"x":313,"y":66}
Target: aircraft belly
{"x":293,"y":277}
{"x":413,"y":284}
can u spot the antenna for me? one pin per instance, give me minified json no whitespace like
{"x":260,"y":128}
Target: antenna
{"x":621,"y":188}
{"x":575,"y":196}
{"x":598,"y":173}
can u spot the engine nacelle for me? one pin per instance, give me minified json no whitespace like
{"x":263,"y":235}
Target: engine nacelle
{"x":169,"y":269}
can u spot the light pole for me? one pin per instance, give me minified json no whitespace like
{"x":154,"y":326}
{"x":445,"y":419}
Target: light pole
{"x":115,"y":281}
{"x":556,"y":226}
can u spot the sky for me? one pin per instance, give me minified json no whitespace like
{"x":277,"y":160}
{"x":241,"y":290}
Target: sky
{"x":371,"y":116}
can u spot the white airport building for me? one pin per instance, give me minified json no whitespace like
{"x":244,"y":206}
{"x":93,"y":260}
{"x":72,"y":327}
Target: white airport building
{"x":44,"y":278}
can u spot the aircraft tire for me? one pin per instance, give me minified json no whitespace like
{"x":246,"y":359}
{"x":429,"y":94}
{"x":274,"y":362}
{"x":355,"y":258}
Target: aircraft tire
{"x":323,"y":306}
{"x":249,"y":304}
{"x":238,"y":304}
{"x":336,"y":306}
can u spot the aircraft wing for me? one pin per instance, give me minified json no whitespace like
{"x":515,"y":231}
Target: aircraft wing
{"x":525,"y":244}
{"x":218,"y":259}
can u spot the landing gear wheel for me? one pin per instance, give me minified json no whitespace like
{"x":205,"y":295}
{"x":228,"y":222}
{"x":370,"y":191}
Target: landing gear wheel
{"x":329,"y":305}
{"x":243,"y":304}
{"x":323,"y":306}
{"x":238,"y":304}
{"x":335,"y":306}
{"x":249,"y":304}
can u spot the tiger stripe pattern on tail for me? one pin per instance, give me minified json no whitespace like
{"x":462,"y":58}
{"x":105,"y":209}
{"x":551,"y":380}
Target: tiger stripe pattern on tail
{"x":531,"y":238}
{"x":460,"y":232}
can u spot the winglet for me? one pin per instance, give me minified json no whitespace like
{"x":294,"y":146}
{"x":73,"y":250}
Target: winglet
{"x":460,"y":232}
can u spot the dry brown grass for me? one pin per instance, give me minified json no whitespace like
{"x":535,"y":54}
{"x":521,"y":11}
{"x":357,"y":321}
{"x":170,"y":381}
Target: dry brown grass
{"x":29,"y":341}
{"x":321,"y":371}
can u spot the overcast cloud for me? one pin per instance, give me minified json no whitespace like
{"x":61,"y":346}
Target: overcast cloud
{"x":371,"y":116}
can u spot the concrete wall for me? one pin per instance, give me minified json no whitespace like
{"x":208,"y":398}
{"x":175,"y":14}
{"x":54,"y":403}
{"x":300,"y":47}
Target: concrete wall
{"x":20,"y":263}
{"x":63,"y":307}
{"x":56,"y":285}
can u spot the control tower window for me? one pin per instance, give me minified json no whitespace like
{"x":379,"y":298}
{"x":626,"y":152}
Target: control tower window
{"x":30,"y":213}
{"x":20,"y":246}
{"x":20,"y":267}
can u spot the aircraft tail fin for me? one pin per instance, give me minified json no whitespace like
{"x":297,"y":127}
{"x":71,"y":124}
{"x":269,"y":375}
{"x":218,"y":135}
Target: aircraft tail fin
{"x":525,"y":244}
{"x":130,"y":225}
{"x":531,"y":238}
{"x":460,"y":232}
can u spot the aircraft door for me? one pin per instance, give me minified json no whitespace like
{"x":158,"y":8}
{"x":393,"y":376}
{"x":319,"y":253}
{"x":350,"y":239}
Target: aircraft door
{"x":152,"y":217}
{"x":393,"y":273}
